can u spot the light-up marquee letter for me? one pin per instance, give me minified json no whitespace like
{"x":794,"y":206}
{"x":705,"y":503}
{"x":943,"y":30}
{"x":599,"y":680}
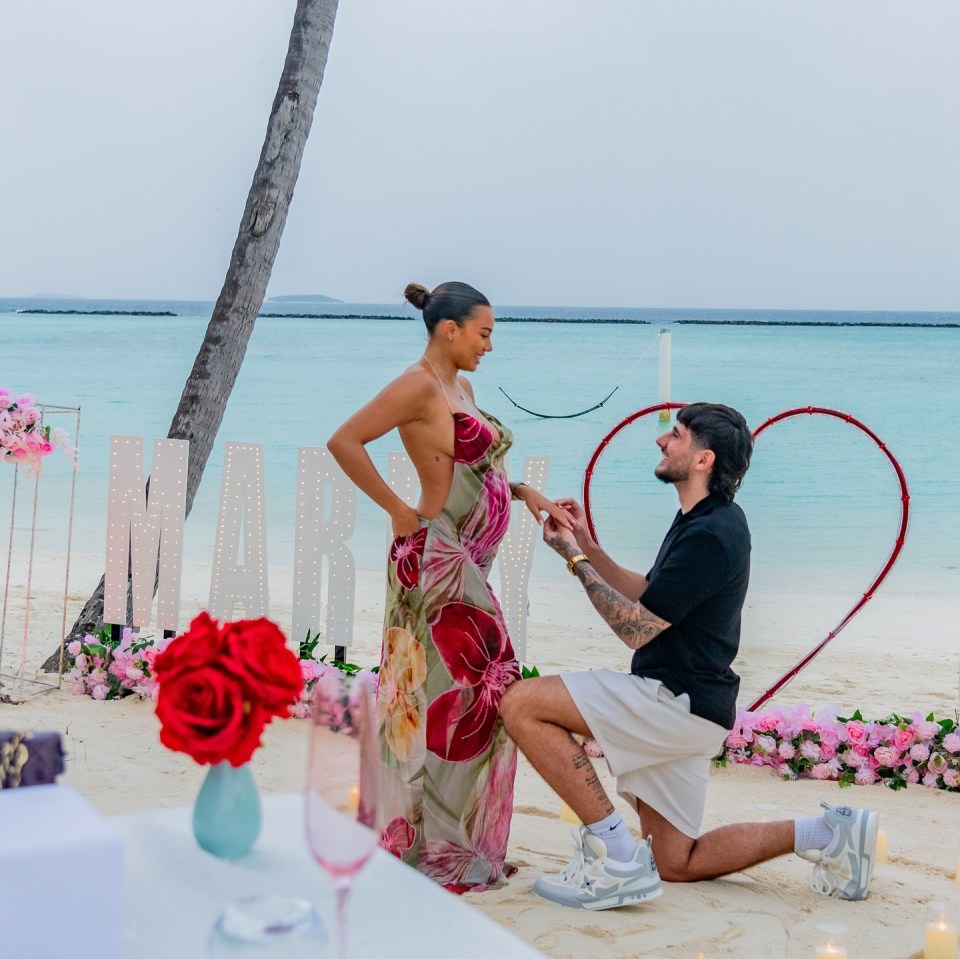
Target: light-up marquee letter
{"x":516,"y":557}
{"x":316,"y":537}
{"x":240,"y":524}
{"x":138,"y":537}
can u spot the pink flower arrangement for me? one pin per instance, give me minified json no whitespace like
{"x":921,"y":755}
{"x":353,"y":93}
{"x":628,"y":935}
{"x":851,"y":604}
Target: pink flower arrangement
{"x":23,"y":437}
{"x":895,"y":751}
{"x":331,"y":678}
{"x":335,"y":681}
{"x":107,"y":669}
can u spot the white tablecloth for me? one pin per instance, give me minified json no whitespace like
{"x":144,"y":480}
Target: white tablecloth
{"x":175,"y":891}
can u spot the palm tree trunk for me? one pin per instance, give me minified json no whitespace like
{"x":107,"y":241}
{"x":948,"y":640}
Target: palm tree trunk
{"x":204,"y":400}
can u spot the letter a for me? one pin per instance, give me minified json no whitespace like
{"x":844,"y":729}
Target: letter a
{"x":241,"y":522}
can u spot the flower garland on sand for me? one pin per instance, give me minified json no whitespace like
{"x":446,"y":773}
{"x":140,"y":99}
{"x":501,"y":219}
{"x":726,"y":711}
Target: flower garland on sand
{"x":105,"y":668}
{"x":793,"y":741}
{"x":332,"y":677}
{"x":23,"y":437}
{"x":895,"y":751}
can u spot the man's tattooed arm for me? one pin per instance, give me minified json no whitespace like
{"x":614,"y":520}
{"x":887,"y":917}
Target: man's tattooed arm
{"x":633,"y":623}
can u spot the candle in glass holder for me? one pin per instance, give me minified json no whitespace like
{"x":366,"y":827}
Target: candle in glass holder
{"x":940,"y":941}
{"x":882,"y":852}
{"x":831,"y":943}
{"x":353,"y":800}
{"x":568,"y":815}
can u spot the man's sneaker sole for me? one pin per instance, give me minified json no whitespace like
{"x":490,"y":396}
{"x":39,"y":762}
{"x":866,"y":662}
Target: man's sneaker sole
{"x":544,"y":891}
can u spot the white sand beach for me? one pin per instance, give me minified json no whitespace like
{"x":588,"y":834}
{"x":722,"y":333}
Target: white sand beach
{"x":899,"y":655}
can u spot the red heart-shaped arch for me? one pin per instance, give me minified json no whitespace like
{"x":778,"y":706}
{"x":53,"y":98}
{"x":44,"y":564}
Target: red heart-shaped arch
{"x":787,"y":414}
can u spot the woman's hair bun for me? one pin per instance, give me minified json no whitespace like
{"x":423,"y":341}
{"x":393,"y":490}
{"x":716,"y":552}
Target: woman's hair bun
{"x":416,"y":294}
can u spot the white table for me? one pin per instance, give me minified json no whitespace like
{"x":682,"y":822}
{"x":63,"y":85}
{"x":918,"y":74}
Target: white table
{"x":174,"y":892}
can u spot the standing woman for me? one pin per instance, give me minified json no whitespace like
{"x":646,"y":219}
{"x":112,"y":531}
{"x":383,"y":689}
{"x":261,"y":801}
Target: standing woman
{"x":447,"y":658}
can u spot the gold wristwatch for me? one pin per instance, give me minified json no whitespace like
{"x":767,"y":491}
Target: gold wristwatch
{"x":574,"y":560}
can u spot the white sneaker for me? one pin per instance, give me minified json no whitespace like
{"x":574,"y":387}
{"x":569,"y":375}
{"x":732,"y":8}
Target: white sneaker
{"x":593,"y":881}
{"x":844,"y":868}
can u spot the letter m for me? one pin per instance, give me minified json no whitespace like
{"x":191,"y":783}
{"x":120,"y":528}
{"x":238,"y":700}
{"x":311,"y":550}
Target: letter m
{"x":145,"y":542}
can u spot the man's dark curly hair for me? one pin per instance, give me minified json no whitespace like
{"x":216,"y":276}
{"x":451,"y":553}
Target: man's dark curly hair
{"x":724,"y":431}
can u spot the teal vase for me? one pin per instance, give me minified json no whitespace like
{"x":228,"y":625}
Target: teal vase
{"x":227,"y":815}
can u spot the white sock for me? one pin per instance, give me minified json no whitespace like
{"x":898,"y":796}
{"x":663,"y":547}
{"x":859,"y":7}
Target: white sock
{"x":620,"y":844}
{"x":811,"y":833}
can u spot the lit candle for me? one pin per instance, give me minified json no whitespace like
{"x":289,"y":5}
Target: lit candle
{"x":353,"y":800}
{"x":941,"y":937}
{"x":568,"y":815}
{"x":830,"y":951}
{"x":831,"y":947}
{"x":882,"y":854}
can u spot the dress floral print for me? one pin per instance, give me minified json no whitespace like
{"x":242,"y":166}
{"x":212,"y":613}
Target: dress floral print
{"x":447,"y":659}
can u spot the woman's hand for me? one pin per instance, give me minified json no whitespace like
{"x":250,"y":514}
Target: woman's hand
{"x":538,"y":504}
{"x":405,"y":522}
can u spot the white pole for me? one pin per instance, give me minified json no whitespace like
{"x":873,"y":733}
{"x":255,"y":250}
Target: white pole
{"x":664,"y":373}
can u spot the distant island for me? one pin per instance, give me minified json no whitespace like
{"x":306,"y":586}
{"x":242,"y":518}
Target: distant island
{"x":304,"y":298}
{"x":101,"y":312}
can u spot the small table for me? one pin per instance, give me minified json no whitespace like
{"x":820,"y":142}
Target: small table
{"x":175,"y":891}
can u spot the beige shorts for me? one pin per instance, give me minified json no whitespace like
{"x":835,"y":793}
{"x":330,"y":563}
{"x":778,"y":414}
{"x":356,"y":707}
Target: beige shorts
{"x":658,"y":750}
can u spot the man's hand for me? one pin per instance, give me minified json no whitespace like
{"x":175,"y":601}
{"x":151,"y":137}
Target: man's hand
{"x":560,"y":539}
{"x":578,"y":521}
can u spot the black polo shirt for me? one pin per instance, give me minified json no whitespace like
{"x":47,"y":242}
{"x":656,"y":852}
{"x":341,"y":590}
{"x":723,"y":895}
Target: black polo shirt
{"x":698,"y":584}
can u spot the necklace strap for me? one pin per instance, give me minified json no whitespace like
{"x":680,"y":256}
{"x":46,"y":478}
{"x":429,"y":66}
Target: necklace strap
{"x":443,"y":385}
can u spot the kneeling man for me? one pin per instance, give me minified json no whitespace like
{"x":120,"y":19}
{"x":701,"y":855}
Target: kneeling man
{"x":661,"y":724}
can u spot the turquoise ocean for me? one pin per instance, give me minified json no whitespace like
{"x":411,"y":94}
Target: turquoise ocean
{"x":822,"y":499}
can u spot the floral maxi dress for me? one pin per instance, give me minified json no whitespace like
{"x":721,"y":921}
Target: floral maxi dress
{"x":448,"y":765}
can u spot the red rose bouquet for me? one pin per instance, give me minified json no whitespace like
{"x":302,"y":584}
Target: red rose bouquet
{"x":220,"y":685}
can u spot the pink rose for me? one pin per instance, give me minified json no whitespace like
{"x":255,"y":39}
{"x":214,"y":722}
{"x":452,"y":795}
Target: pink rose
{"x":735,"y":741}
{"x":925,"y":728}
{"x":769,"y":722}
{"x":827,"y":751}
{"x":592,"y":748}
{"x":856,"y":733}
{"x":810,"y":725}
{"x":765,"y":744}
{"x":903,"y":739}
{"x":937,"y":762}
{"x":886,"y":755}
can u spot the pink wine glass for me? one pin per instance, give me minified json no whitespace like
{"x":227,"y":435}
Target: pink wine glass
{"x":343,"y":786}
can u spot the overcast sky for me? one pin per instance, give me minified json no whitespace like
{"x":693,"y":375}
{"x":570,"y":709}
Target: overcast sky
{"x":741,"y":153}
